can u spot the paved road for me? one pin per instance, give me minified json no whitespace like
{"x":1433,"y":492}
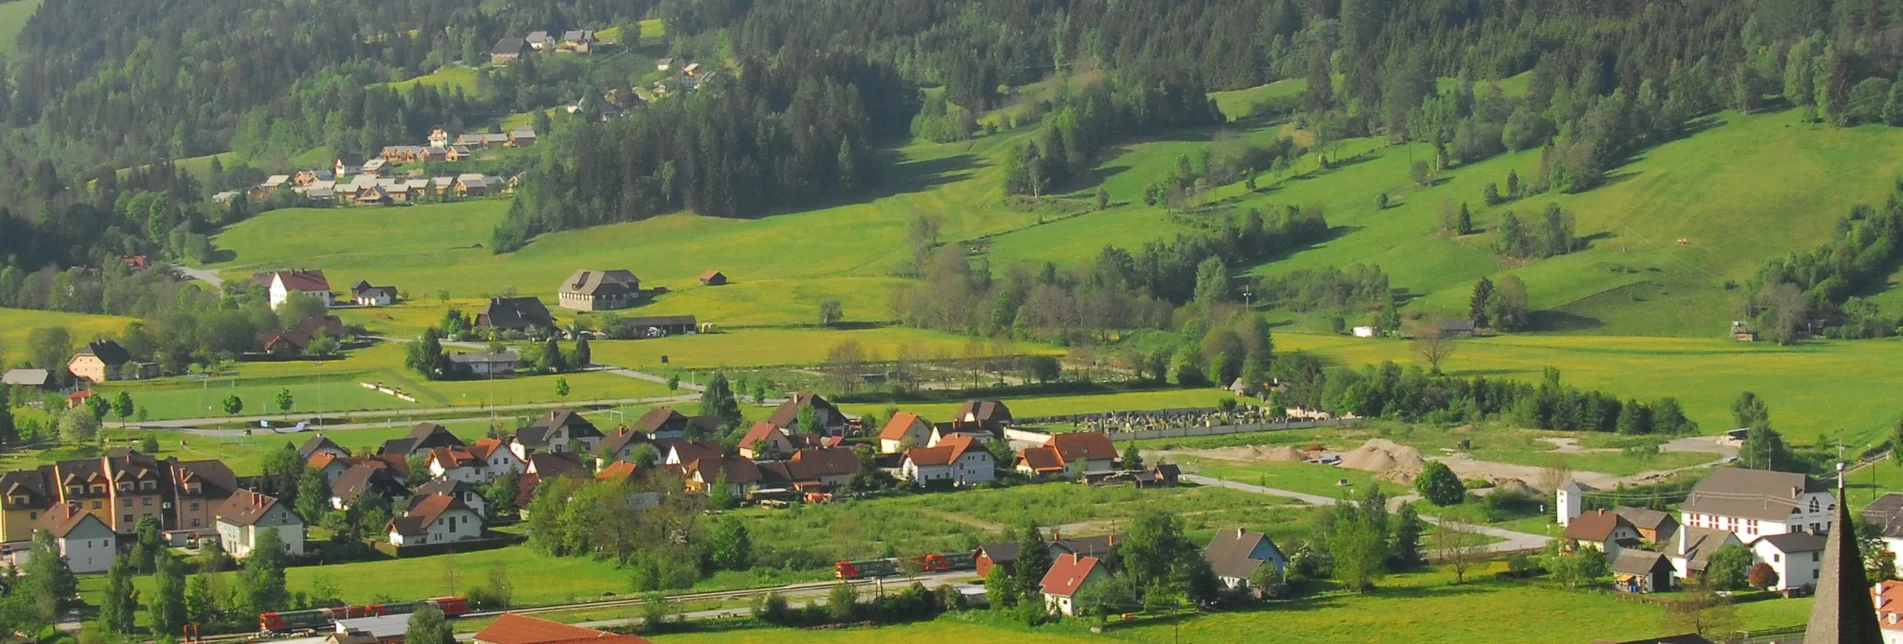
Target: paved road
{"x":641,"y":375}
{"x":1512,"y":541}
{"x":202,"y":275}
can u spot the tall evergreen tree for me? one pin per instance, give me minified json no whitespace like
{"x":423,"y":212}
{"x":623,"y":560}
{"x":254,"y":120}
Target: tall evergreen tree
{"x":120,"y":601}
{"x":1477,"y":305}
{"x":167,"y":611}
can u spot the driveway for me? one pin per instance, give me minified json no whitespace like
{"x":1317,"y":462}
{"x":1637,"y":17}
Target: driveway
{"x":203,"y":275}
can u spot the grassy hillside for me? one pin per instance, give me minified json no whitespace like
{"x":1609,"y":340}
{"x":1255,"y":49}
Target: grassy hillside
{"x":13,"y":16}
{"x":446,"y":78}
{"x":16,"y":324}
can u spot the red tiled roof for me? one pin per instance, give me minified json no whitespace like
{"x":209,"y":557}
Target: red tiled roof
{"x":302,"y":280}
{"x":1083,"y":446}
{"x":618,"y":472}
{"x":901,"y":422}
{"x":1041,"y":459}
{"x":1067,"y":575}
{"x":945,"y":452}
{"x":324,"y":460}
{"x":511,"y":628}
{"x":758,"y":432}
{"x":1595,"y":526}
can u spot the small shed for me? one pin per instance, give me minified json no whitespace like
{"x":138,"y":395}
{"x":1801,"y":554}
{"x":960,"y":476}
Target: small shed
{"x":1641,"y":571}
{"x":713,"y":278}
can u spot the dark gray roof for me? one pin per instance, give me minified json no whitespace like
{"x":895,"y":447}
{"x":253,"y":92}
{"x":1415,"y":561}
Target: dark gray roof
{"x":509,"y":46}
{"x":361,"y":478}
{"x":1633,"y":561}
{"x":618,"y":281}
{"x":1228,"y":552}
{"x":107,"y":351}
{"x":315,"y":443}
{"x":27,"y":377}
{"x":1643,"y":518}
{"x":514,"y":313}
{"x":1750,"y":494}
{"x":1843,"y":610}
{"x":1795,"y":541}
{"x":1699,"y":544}
{"x":1886,"y":511}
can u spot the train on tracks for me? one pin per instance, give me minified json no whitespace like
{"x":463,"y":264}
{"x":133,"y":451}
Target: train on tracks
{"x":322,"y":618}
{"x":894,"y":565}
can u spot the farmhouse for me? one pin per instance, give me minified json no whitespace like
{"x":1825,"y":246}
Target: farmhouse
{"x":1755,"y":503}
{"x":366,"y":295}
{"x":1235,"y":555}
{"x":507,"y":51}
{"x":100,"y":361}
{"x":1068,"y":577}
{"x":619,"y":447}
{"x":524,"y":314}
{"x":1641,"y":571}
{"x":1653,"y":526}
{"x":577,"y":40}
{"x":436,"y":519}
{"x":704,"y":470}
{"x":592,"y":290}
{"x":346,"y":164}
{"x":85,"y":541}
{"x":992,"y":415}
{"x":1006,"y":554}
{"x":664,"y":422}
{"x":765,"y":441}
{"x":521,"y":137}
{"x":959,"y":460}
{"x":320,"y":444}
{"x":537,"y":40}
{"x":811,"y":470}
{"x":455,"y":464}
{"x":246,"y":515}
{"x":283,"y":284}
{"x":498,"y":458}
{"x":1695,"y":548}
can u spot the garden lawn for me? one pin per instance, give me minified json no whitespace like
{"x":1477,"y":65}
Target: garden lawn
{"x":1820,"y":386}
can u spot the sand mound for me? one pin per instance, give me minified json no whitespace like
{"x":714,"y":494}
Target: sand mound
{"x":1381,"y":455}
{"x":1516,"y":486}
{"x":1283,"y":453}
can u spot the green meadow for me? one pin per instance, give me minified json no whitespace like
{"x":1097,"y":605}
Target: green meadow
{"x":448,"y":78}
{"x":17,"y":324}
{"x":13,"y":17}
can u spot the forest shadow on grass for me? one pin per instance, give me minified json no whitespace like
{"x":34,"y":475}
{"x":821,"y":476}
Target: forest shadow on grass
{"x":1550,"y":320}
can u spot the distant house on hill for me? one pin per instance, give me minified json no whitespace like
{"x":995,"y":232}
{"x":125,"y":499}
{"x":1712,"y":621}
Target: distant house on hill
{"x":367,"y":295}
{"x":594,"y":290}
{"x":713,"y":278}
{"x":537,"y":40}
{"x":283,"y":284}
{"x":507,"y":51}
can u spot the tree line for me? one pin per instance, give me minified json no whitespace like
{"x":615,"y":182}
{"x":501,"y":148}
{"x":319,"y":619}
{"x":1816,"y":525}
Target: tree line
{"x":791,"y":131}
{"x":1826,"y":284}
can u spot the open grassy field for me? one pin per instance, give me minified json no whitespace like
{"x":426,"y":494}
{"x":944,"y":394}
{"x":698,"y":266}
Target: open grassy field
{"x":653,"y":31}
{"x":1060,"y":405}
{"x":13,"y":17}
{"x":17,"y":324}
{"x":1822,"y":386}
{"x":762,"y":347}
{"x":448,"y":78}
{"x":1420,"y":607}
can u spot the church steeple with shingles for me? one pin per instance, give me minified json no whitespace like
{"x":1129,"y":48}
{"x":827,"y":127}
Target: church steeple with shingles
{"x":1843,"y":612}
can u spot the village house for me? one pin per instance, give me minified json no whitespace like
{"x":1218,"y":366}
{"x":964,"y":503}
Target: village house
{"x":577,"y":41}
{"x":764,"y":441}
{"x":592,"y":290}
{"x":498,"y":458}
{"x":1606,"y":532}
{"x":1755,"y":503}
{"x":537,"y":40}
{"x":100,"y":361}
{"x":455,"y":464}
{"x":88,"y":545}
{"x":511,"y":628}
{"x":438,"y":137}
{"x":1069,"y":455}
{"x":959,"y":460}
{"x":297,"y":339}
{"x":786,"y":416}
{"x":811,"y":470}
{"x":1796,"y":557}
{"x":703,"y":470}
{"x":992,"y":415}
{"x":1695,"y":548}
{"x":366,"y":295}
{"x":507,"y":51}
{"x":436,"y":519}
{"x":1235,"y":555}
{"x":422,"y":438}
{"x":1006,"y":554}
{"x":619,"y":446}
{"x":346,"y":165}
{"x":524,"y":314}
{"x":320,"y":444}
{"x":483,"y":365}
{"x":455,"y":154}
{"x":282,"y":284}
{"x":246,"y":515}
{"x":331,"y":465}
{"x":471,"y":184}
{"x":374,"y":167}
{"x":1641,"y":571}
{"x":521,"y":137}
{"x":1886,"y":514}
{"x":558,"y":431}
{"x":463,"y":492}
{"x":665,"y":422}
{"x":1654,"y":526}
{"x":1070,"y":575}
{"x":905,"y":431}
{"x":365,"y":478}
{"x":943,"y":431}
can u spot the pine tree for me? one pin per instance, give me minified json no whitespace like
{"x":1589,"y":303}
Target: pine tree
{"x":9,"y":434}
{"x":718,"y":400}
{"x":848,"y":166}
{"x":1477,"y":305}
{"x":262,"y":580}
{"x":120,"y":601}
{"x":552,"y":360}
{"x":583,"y":356}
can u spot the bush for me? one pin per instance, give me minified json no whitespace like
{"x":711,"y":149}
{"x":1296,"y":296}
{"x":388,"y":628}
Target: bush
{"x":1438,"y":484}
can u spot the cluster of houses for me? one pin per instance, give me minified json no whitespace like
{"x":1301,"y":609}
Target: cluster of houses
{"x":573,"y":41}
{"x":282,"y":284}
{"x":1783,"y":518}
{"x":353,"y":180}
{"x":1078,"y":563}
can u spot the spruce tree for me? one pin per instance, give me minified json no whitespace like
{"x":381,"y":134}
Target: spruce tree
{"x":121,"y":600}
{"x":1477,"y":305}
{"x":167,"y":611}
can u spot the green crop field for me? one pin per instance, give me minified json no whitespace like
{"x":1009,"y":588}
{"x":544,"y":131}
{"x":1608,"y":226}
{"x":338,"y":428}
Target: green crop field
{"x":1419,"y":607}
{"x":17,"y":324}
{"x":1820,"y":387}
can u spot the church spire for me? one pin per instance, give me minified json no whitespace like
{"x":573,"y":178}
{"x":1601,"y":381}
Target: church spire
{"x":1843,"y":612}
